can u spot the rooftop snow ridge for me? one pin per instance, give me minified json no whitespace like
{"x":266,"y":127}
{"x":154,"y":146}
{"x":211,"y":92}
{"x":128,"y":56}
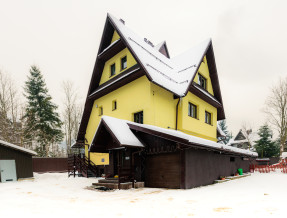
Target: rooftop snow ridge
{"x":148,"y":42}
{"x":157,"y":58}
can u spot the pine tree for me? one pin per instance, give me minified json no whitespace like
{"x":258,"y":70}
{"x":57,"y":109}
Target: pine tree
{"x":223,"y":126}
{"x":265,"y":147}
{"x":42,"y":122}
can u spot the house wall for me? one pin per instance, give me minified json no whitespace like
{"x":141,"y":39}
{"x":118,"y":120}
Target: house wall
{"x":203,"y":167}
{"x":24,"y":166}
{"x":197,"y":127}
{"x":106,"y":75}
{"x":204,"y":71}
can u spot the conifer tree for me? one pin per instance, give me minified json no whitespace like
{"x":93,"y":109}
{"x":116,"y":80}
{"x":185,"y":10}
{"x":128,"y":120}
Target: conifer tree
{"x":223,"y":126}
{"x":42,"y":122}
{"x":265,"y":147}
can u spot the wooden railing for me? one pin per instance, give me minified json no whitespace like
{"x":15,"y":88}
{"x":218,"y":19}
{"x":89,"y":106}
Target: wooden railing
{"x":82,"y":165}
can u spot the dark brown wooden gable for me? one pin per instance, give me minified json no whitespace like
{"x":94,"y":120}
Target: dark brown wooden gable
{"x":104,"y":139}
{"x":214,"y":80}
{"x":163,"y":49}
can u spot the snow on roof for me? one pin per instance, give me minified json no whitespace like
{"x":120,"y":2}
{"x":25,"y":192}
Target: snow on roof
{"x":121,"y":131}
{"x":173,"y":74}
{"x":125,"y":135}
{"x":253,"y":136}
{"x":16,"y":147}
{"x":206,"y":93}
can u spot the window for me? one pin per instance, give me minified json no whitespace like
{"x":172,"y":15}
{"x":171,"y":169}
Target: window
{"x":113,"y":69}
{"x":124,"y":63}
{"x":207,"y":117}
{"x":192,"y":110}
{"x":138,"y":117}
{"x":232,"y":159}
{"x":201,"y":81}
{"x":101,"y":111}
{"x":114,"y":107}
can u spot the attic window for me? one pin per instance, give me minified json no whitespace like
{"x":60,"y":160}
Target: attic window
{"x":202,"y":81}
{"x":113,"y":70}
{"x":124,"y":63}
{"x":114,"y":107}
{"x":101,"y":111}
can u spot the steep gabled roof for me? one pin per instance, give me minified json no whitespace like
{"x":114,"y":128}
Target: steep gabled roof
{"x":173,"y":74}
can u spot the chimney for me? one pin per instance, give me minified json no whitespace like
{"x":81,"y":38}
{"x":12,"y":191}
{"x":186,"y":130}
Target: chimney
{"x":122,"y":21}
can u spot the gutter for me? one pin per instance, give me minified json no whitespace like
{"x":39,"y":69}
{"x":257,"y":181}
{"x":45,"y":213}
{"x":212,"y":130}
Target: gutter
{"x":176,"y":114}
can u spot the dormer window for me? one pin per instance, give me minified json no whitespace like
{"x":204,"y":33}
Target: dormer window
{"x":124,"y":63}
{"x":113,"y":69}
{"x":201,"y":81}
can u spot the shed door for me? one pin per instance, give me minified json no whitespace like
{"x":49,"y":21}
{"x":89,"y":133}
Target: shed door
{"x":163,"y":171}
{"x":8,"y":170}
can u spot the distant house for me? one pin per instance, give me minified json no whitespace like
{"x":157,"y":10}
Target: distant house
{"x":244,"y":140}
{"x":15,"y":162}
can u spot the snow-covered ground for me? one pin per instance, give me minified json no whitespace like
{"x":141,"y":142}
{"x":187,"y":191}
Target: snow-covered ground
{"x":54,"y":194}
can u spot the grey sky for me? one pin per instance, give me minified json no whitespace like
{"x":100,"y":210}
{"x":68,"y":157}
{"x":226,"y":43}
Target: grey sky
{"x":62,"y":38}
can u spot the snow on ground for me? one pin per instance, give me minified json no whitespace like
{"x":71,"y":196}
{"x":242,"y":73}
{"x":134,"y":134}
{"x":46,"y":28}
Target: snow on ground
{"x":54,"y":194}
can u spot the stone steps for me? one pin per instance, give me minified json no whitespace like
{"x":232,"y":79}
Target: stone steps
{"x":113,"y":185}
{"x":228,"y":178}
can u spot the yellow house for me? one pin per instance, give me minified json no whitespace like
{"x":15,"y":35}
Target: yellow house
{"x":140,"y":84}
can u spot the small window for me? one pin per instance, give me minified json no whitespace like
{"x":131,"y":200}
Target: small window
{"x":124,"y":63}
{"x":207,"y":117}
{"x":201,"y":81}
{"x":113,"y":69}
{"x":138,"y":117}
{"x":101,"y":111}
{"x":192,"y":110}
{"x":114,"y":107}
{"x":232,"y":159}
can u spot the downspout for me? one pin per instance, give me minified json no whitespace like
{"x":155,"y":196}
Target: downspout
{"x":176,"y":114}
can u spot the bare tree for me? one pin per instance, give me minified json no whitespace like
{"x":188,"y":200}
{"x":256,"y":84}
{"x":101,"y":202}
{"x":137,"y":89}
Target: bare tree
{"x":246,"y":130}
{"x":276,"y":110}
{"x":10,"y":111}
{"x":72,"y":113}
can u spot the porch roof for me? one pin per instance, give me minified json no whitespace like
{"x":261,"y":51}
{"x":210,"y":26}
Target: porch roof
{"x":124,"y":132}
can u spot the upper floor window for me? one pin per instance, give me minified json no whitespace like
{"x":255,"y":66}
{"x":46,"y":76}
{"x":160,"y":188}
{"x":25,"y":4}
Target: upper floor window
{"x":113,"y":69}
{"x":192,"y":110}
{"x":114,"y":107}
{"x":202,"y":81}
{"x":138,"y":117}
{"x":207,"y":117}
{"x":124,"y":63}
{"x":101,"y":111}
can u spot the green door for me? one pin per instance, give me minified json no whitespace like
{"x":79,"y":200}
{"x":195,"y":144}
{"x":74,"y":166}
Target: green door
{"x":8,"y":170}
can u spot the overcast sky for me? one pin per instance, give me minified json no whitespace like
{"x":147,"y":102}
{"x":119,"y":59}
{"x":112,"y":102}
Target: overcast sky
{"x":62,"y":37}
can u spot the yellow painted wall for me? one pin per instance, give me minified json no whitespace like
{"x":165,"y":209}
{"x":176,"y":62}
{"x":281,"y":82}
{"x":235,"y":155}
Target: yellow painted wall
{"x":198,"y":127}
{"x":115,"y":37}
{"x":117,"y":60}
{"x":157,"y":104}
{"x":204,"y":71}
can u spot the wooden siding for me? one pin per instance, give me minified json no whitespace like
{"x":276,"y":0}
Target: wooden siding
{"x":49,"y":164}
{"x":24,"y":166}
{"x":163,"y":171}
{"x":203,"y":167}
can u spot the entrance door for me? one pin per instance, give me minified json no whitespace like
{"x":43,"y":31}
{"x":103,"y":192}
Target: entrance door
{"x":8,"y":170}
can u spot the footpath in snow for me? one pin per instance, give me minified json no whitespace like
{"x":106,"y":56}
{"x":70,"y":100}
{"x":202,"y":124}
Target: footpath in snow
{"x":54,"y":194}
